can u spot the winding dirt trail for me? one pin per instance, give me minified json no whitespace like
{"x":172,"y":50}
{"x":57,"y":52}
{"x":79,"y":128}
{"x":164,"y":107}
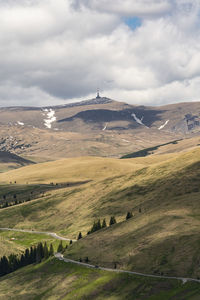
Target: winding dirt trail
{"x":67,"y":260}
{"x":52,"y":234}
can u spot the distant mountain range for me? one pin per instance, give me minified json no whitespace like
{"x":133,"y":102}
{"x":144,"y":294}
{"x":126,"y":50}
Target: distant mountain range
{"x":99,"y":126}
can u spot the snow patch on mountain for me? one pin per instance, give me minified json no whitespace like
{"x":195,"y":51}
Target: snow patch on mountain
{"x":50,"y":115}
{"x":162,"y":126}
{"x":139,"y":121}
{"x":105,"y":127}
{"x":20,"y":123}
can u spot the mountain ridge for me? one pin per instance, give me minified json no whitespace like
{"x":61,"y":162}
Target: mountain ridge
{"x":97,"y":127}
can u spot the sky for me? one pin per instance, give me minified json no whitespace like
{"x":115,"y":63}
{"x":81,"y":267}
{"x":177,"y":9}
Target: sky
{"x":144,"y":52}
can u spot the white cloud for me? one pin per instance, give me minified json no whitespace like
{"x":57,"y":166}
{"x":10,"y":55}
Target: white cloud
{"x":177,"y":91}
{"x":52,"y":51}
{"x":139,"y":8}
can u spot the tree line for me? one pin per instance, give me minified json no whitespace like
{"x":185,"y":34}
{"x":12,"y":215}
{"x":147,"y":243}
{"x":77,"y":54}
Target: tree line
{"x":98,"y":225}
{"x":16,"y":202}
{"x":31,"y":255}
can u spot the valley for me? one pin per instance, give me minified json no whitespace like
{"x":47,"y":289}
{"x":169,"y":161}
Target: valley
{"x":60,"y":184}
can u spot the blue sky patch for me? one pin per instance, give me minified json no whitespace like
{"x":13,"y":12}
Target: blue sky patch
{"x":133,"y":22}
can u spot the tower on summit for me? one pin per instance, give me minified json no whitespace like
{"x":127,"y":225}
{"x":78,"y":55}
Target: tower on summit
{"x":98,"y":96}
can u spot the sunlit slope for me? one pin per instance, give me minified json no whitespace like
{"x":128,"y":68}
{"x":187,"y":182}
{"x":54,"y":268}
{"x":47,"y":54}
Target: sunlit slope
{"x":82,"y":168}
{"x":71,"y":169}
{"x":53,"y":279}
{"x":164,"y":237}
{"x":116,"y":186}
{"x":82,"y":203}
{"x":63,"y":205}
{"x":7,"y":246}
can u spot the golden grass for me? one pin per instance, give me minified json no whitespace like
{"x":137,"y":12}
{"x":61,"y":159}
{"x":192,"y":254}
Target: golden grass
{"x":71,"y":169}
{"x":7,"y":246}
{"x":165,"y":187}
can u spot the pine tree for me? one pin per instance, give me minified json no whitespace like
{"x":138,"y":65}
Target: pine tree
{"x":51,"y":250}
{"x":79,"y":236}
{"x":13,"y":262}
{"x":46,"y":251}
{"x":94,"y":227}
{"x":34,"y":254}
{"x":27,"y":257}
{"x":86,"y":259}
{"x":5,"y":268}
{"x":39,"y":253}
{"x":31,"y":257}
{"x":104,"y":225}
{"x":38,"y":256}
{"x":22,"y":261}
{"x":41,"y":250}
{"x":60,"y":247}
{"x":112,"y":220}
{"x":129,"y":215}
{"x":98,"y":225}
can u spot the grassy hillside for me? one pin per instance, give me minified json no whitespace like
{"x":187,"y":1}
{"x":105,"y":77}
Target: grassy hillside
{"x":56,"y":280}
{"x":163,"y":238}
{"x":71,"y":169}
{"x":16,"y":242}
{"x":13,"y":193}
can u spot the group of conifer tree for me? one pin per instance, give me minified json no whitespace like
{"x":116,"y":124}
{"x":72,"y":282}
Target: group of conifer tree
{"x":97,"y":225}
{"x":31,"y":255}
{"x":61,"y":248}
{"x":16,"y":202}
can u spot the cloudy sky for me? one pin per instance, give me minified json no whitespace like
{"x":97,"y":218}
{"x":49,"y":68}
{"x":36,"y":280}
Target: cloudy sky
{"x":137,"y":51}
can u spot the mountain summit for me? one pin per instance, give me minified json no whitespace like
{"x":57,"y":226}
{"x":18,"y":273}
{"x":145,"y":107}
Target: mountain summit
{"x":98,"y":126}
